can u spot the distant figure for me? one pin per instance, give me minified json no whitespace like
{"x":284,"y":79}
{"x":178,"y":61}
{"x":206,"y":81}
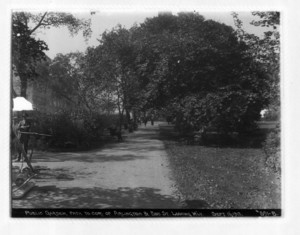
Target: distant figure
{"x":169,"y":119}
{"x":130,"y":126}
{"x":145,"y":121}
{"x":24,"y":126}
{"x":139,"y":121}
{"x":152,"y":120}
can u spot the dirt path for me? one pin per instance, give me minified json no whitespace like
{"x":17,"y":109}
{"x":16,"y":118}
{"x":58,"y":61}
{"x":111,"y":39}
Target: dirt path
{"x":131,"y":174}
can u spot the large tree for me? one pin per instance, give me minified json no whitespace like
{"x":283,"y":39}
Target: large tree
{"x":201,"y":69}
{"x":265,"y":50}
{"x":28,"y":51}
{"x":112,"y":63}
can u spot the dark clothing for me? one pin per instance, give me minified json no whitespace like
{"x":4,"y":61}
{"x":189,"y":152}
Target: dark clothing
{"x":24,"y":126}
{"x":145,"y":120}
{"x":169,"y":119}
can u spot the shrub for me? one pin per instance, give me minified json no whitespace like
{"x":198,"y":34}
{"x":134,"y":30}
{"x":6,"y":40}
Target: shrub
{"x":225,"y":112}
{"x":69,"y":130}
{"x":271,"y":147}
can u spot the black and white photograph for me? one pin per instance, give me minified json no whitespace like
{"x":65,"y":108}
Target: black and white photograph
{"x":145,"y":114}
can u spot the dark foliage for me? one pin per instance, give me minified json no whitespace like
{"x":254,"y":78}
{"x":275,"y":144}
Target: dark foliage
{"x":71,"y":131}
{"x":201,"y":72}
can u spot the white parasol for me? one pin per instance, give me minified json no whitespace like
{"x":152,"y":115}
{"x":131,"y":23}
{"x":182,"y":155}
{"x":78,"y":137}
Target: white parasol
{"x":21,"y":104}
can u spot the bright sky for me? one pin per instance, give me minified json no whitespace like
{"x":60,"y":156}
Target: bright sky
{"x":60,"y":41}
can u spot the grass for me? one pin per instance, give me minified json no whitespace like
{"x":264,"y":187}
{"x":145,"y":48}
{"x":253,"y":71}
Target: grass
{"x":225,"y":178}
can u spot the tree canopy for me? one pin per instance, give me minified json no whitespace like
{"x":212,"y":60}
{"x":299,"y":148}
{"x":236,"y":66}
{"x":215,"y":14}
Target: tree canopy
{"x":28,"y":51}
{"x":200,"y":70}
{"x":203,"y":73}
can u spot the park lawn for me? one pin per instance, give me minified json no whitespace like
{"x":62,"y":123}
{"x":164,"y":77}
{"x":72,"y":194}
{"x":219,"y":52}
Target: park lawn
{"x":225,"y":178}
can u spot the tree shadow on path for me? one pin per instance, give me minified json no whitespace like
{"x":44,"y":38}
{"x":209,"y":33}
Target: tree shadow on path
{"x":97,"y":198}
{"x":90,"y":158}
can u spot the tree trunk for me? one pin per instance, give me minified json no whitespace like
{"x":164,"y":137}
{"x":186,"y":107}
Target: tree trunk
{"x":23,"y":86}
{"x":120,"y":117}
{"x":127,"y":116}
{"x":129,"y":123}
{"x":134,"y":120}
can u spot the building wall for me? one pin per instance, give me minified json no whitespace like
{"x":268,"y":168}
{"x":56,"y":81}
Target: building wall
{"x":41,"y":96}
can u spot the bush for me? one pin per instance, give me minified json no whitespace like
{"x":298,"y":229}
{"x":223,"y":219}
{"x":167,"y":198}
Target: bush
{"x":225,"y":112}
{"x":69,"y":130}
{"x":271,"y":147}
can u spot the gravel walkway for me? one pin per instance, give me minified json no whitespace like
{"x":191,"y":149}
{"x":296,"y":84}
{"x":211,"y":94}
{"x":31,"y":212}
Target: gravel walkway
{"x":130,"y":174}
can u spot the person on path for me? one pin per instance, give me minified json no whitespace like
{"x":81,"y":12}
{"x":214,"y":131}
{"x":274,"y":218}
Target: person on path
{"x":152,"y":119}
{"x":145,"y":121}
{"x":24,"y":126}
{"x":169,"y":119}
